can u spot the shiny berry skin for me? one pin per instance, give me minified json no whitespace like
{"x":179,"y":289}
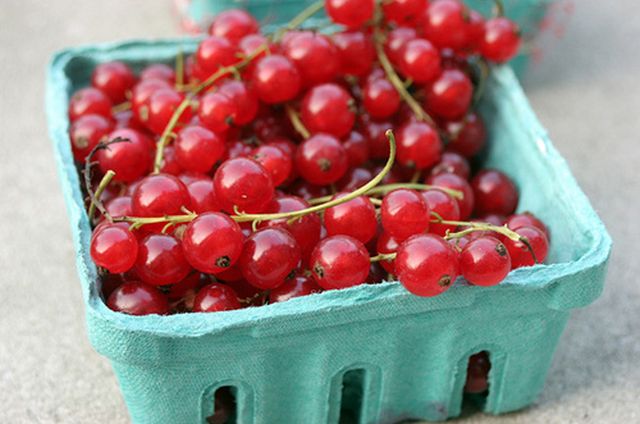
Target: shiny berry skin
{"x":214,"y":53}
{"x":444,"y":205}
{"x":494,"y":193}
{"x":452,"y":163}
{"x":275,"y":161}
{"x":380,"y":98}
{"x":276,"y":79}
{"x":404,"y":213}
{"x":419,"y":61}
{"x":445,"y":24}
{"x":396,"y":40}
{"x":321,"y":159}
{"x":217,"y":111}
{"x":355,"y":218}
{"x":526,"y":219}
{"x":243,"y":183}
{"x":449,"y":96}
{"x":135,"y":298}
{"x":294,"y":287}
{"x":114,"y":247}
{"x":455,"y":182}
{"x":141,"y":94}
{"x":159,"y":195}
{"x":402,"y":11}
{"x":233,"y":24}
{"x":356,"y":52}
{"x":169,"y":163}
{"x":328,"y":108}
{"x":378,"y":143}
{"x":86,"y":132}
{"x":128,"y":159}
{"x":338,"y":262}
{"x":426,"y":265}
{"x":89,"y":101}
{"x":501,"y":40}
{"x":269,"y":256}
{"x":202,"y":196}
{"x":520,"y":254}
{"x":350,"y":13}
{"x":467,"y":136}
{"x":314,"y":55}
{"x":245,"y":99}
{"x":119,"y":206}
{"x":114,"y":79}
{"x":485,"y":261}
{"x":216,"y":298}
{"x":158,"y":71}
{"x":419,"y":145}
{"x":478,"y":373}
{"x":162,"y":105}
{"x":357,"y":148}
{"x":475,"y":31}
{"x":197,"y":149}
{"x":387,"y":244}
{"x":212,"y":242}
{"x":161,"y":260}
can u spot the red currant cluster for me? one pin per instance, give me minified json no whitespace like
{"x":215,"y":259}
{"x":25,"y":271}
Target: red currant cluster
{"x":265,"y":167}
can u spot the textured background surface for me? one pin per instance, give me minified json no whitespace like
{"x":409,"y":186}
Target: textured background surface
{"x":585,"y":91}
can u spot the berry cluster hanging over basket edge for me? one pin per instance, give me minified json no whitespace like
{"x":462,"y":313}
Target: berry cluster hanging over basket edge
{"x":264,"y":167}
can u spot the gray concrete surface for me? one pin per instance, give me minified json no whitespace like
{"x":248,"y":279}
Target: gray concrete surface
{"x":586,"y":92}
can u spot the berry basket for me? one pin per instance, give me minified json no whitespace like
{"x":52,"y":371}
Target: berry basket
{"x":373,"y":351}
{"x":197,"y":14}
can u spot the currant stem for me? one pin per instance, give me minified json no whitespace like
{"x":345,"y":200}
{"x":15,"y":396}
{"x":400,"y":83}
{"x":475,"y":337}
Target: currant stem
{"x":384,"y":189}
{"x":397,"y":82}
{"x":137,"y":222}
{"x":104,"y":182}
{"x":180,"y":69}
{"x":311,"y":10}
{"x":498,"y":8}
{"x":383,"y":257}
{"x":294,"y":117}
{"x":124,"y":106}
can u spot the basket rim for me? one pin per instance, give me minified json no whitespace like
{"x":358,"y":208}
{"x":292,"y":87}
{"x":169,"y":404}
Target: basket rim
{"x":539,"y":277}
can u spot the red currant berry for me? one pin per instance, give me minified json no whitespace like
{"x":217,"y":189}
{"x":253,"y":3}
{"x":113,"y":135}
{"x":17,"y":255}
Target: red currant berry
{"x":159,"y":195}
{"x":478,"y":373}
{"x":158,"y":71}
{"x":419,"y":145}
{"x":217,"y":111}
{"x":357,"y":148}
{"x":142,"y":93}
{"x":445,"y":206}
{"x":449,"y":96}
{"x":356,"y":52}
{"x":321,"y":159}
{"x":89,"y":101}
{"x":202,"y":196}
{"x":426,"y":265}
{"x":526,"y":219}
{"x":134,"y":298}
{"x":294,"y":287}
{"x":452,"y":163}
{"x":197,"y":149}
{"x":245,"y":99}
{"x":378,"y":143}
{"x":314,"y":55}
{"x":455,"y":182}
{"x":419,"y":61}
{"x":355,"y":218}
{"x":354,"y":179}
{"x":129,"y":159}
{"x":520,"y":253}
{"x":86,"y":132}
{"x":328,"y":108}
{"x":243,"y":183}
{"x":268,"y":257}
{"x":387,"y":244}
{"x":119,"y":206}
{"x":350,"y":13}
{"x":396,"y":40}
{"x":216,"y":298}
{"x":501,"y":40}
{"x":162,"y":105}
{"x":214,"y":53}
{"x":275,"y":161}
{"x":467,"y":136}
{"x":253,"y":45}
{"x":445,"y":24}
{"x":212,"y":242}
{"x":115,"y":79}
{"x":380,"y":98}
{"x":485,"y":261}
{"x":338,"y":262}
{"x":114,"y":247}
{"x":475,"y":31}
{"x":233,"y":25}
{"x":404,"y":213}
{"x":494,"y":193}
{"x":276,"y":79}
{"x":170,"y":164}
{"x":161,"y":260}
{"x":402,"y":11}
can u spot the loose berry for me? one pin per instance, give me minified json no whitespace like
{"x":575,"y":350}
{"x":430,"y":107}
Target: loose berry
{"x":233,"y":25}
{"x":501,"y":40}
{"x":452,"y":163}
{"x":86,"y":132}
{"x":445,"y":24}
{"x":217,"y":111}
{"x":89,"y":101}
{"x":214,"y":53}
{"x":419,"y":145}
{"x":419,"y":60}
{"x":467,"y":136}
{"x":449,"y":96}
{"x":314,"y":55}
{"x":356,"y":52}
{"x":380,"y":98}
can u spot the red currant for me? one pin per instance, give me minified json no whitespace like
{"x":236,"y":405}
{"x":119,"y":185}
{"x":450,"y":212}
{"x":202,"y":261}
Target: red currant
{"x":520,"y":254}
{"x":233,"y":25}
{"x":275,"y":161}
{"x":356,"y":52}
{"x":114,"y":247}
{"x":86,"y":132}
{"x":115,"y":79}
{"x":445,"y":24}
{"x":403,"y":11}
{"x":243,"y":183}
{"x":380,"y":98}
{"x":119,"y":206}
{"x":350,"y":13}
{"x":404,"y":213}
{"x":162,"y":105}
{"x":158,"y":71}
{"x":202,"y":196}
{"x":419,"y":145}
{"x":217,"y":111}
{"x":354,"y":179}
{"x":455,"y":182}
{"x":89,"y":101}
{"x":294,"y":287}
{"x":245,"y":99}
{"x":526,"y":219}
{"x":214,"y":53}
{"x":129,"y":159}
{"x":445,"y":206}
{"x":276,"y":79}
{"x":134,"y":298}
{"x":419,"y":61}
{"x":197,"y":149}
{"x":396,"y":40}
{"x":355,"y":218}
{"x":452,"y":163}
{"x":314,"y":55}
{"x":328,"y":108}
{"x":501,"y":40}
{"x":467,"y":136}
{"x":485,"y":261}
{"x":216,"y":298}
{"x":141,"y":94}
{"x":159,"y":195}
{"x":338,"y":262}
{"x":494,"y":193}
{"x":357,"y":148}
{"x":321,"y":159}
{"x":161,"y":260}
{"x":170,"y":163}
{"x":449,"y":96}
{"x":387,"y":244}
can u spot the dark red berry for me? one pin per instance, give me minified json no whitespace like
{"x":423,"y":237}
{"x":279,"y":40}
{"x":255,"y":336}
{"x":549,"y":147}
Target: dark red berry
{"x":338,"y":262}
{"x":357,"y":148}
{"x":314,"y":55}
{"x":321,"y":159}
{"x":519,"y":251}
{"x":356,"y":52}
{"x":275,"y":161}
{"x":526,"y":219}
{"x":445,"y":206}
{"x":162,"y":105}
{"x":387,"y":244}
{"x":158,"y":195}
{"x":449,"y":96}
{"x":86,"y":132}
{"x":485,"y":261}
{"x":214,"y":53}
{"x":216,"y":298}
{"x":455,"y":182}
{"x":158,"y":71}
{"x":197,"y":149}
{"x":452,"y":163}
{"x":135,"y":298}
{"x":294,"y":287}
{"x":141,"y":94}
{"x":244,"y":98}
{"x":119,"y":206}
{"x":396,"y":40}
{"x":494,"y":193}
{"x":403,"y":11}
{"x":419,"y":60}
{"x":380,"y":98}
{"x":202,"y":196}
{"x":161,"y":260}
{"x":445,"y":24}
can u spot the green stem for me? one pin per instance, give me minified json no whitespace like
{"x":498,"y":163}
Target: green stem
{"x":297,"y":122}
{"x":384,"y":189}
{"x":104,"y":182}
{"x":311,"y":10}
{"x":137,"y":222}
{"x":383,"y":257}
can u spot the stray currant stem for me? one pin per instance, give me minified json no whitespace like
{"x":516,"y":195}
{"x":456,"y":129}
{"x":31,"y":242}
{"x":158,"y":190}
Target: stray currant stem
{"x":384,"y":189}
{"x":299,"y":20}
{"x":383,"y":257}
{"x":297,"y":122}
{"x":483,"y":68}
{"x":180,"y":69}
{"x":137,"y":222}
{"x":104,"y":182}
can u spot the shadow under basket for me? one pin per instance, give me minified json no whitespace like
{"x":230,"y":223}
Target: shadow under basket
{"x":374,"y":353}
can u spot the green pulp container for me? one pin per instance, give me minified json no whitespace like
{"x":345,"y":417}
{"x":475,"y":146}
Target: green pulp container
{"x":374,"y":352}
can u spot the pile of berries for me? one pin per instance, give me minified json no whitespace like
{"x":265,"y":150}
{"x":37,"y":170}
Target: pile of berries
{"x":269,"y":166}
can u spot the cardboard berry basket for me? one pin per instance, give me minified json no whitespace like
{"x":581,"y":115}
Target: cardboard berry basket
{"x":406,"y":356}
{"x":528,"y":14}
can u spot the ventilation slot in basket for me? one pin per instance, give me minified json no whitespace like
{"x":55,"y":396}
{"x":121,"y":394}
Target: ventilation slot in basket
{"x":352,"y":395}
{"x":225,"y":408}
{"x":476,"y":388}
